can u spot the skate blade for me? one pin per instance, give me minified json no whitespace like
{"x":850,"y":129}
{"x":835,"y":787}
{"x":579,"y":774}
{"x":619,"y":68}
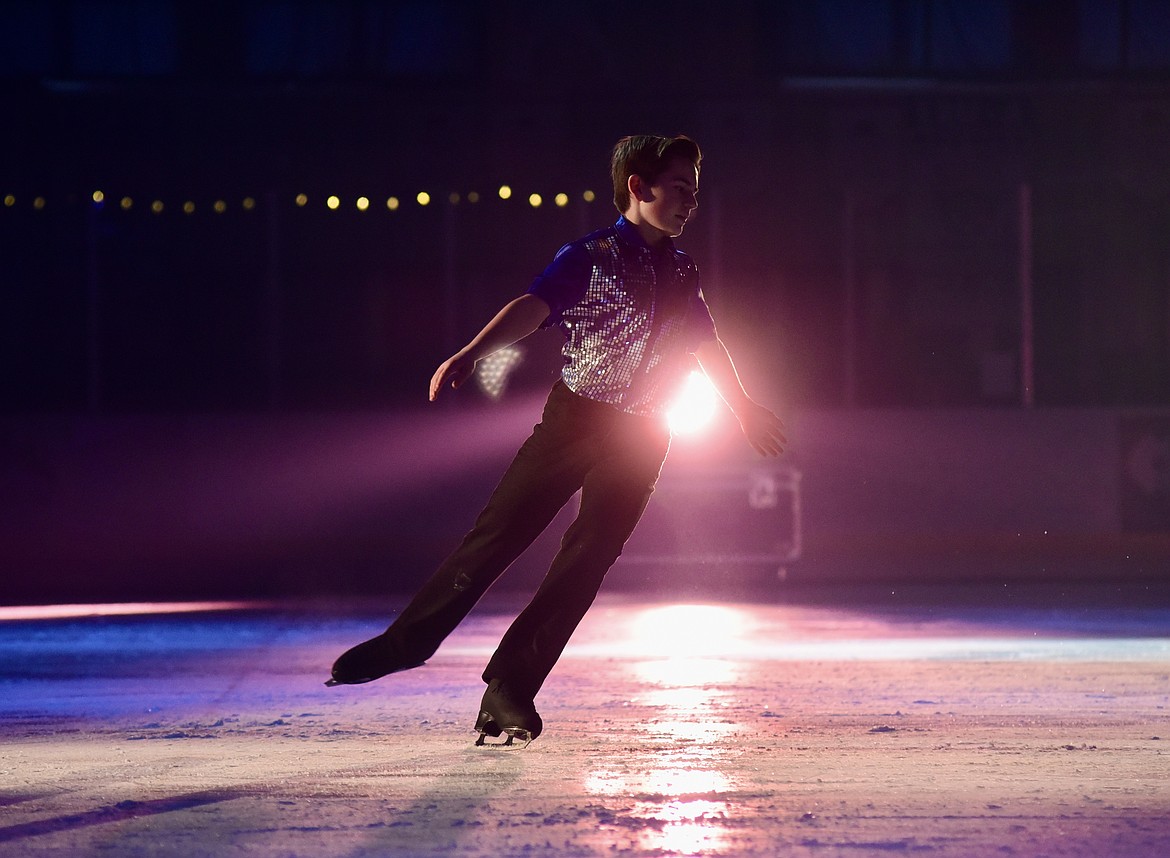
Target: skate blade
{"x":516,"y":739}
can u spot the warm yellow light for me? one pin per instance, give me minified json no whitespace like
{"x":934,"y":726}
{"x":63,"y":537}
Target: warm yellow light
{"x":189,"y":207}
{"x":453,"y":198}
{"x":157,"y":206}
{"x":302,"y":200}
{"x":534,"y":200}
{"x":99,"y":197}
{"x":248,"y":204}
{"x":334,"y":202}
{"x":220,"y":206}
{"x":505,"y":192}
{"x":589,"y":196}
{"x":473,"y":197}
{"x":126,"y":203}
{"x":392,"y":204}
{"x":39,"y":202}
{"x":363,"y":203}
{"x":424,"y":199}
{"x":9,"y":200}
{"x":561,"y":200}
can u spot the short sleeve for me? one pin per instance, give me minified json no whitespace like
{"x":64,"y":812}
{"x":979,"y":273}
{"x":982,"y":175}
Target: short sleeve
{"x":564,"y":282}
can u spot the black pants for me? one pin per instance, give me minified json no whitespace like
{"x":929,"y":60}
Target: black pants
{"x":614,"y":459}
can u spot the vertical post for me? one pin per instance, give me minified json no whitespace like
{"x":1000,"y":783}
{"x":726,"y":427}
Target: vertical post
{"x":1027,"y":325}
{"x":714,"y":279}
{"x":93,"y":333}
{"x":450,"y":281}
{"x":273,"y":303}
{"x":849,"y":276}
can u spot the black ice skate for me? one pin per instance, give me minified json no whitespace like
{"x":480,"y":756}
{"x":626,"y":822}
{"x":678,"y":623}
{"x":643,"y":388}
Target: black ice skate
{"x":368,"y":661}
{"x":504,"y":711}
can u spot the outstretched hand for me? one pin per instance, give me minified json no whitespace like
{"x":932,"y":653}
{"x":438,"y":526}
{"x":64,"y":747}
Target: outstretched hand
{"x":453,"y":371}
{"x":763,"y":429}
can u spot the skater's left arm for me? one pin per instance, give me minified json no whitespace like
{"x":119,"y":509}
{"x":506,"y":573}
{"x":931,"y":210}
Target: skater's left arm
{"x":763,"y":429}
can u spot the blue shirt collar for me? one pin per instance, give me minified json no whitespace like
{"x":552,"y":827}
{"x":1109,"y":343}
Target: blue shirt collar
{"x":630,"y":235}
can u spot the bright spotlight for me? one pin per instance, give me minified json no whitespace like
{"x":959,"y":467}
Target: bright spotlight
{"x":535,"y":200}
{"x":363,"y":203}
{"x":694,"y":407}
{"x":561,"y":200}
{"x":505,"y":192}
{"x":334,"y":202}
{"x":423,"y":198}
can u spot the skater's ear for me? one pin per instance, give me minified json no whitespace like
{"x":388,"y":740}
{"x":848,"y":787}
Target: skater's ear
{"x":639,"y":189}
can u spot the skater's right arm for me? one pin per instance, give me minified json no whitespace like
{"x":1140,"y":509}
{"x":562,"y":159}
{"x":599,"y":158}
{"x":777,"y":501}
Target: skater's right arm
{"x":516,"y":320}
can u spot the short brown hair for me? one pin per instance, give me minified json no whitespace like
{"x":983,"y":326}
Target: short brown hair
{"x":646,"y":155}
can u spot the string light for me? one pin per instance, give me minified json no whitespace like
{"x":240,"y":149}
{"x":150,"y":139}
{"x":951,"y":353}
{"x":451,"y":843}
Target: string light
{"x":333,"y":201}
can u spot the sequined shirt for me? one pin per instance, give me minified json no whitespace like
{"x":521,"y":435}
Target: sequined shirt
{"x":631,"y":315}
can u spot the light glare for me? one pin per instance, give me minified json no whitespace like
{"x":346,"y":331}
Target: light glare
{"x":505,"y":192}
{"x":694,"y":407}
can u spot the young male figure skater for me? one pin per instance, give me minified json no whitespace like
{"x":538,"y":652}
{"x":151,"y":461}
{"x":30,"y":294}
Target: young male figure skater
{"x":629,"y":304}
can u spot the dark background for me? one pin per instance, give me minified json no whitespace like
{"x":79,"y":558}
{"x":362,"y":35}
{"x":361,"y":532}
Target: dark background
{"x":926,"y":228}
{"x":860,"y":213}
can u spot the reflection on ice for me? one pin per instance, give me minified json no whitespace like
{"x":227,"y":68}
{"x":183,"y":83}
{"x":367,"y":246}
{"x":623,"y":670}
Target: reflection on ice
{"x":685,"y":672}
{"x":682,"y":789}
{"x":689,"y":630}
{"x":683,"y":807}
{"x":688,"y":829}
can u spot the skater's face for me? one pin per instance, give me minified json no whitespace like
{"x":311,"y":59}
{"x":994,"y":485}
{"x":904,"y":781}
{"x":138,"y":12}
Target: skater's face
{"x":664,"y":206}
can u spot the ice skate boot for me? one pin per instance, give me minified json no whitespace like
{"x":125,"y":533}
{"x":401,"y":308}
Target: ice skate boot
{"x":368,"y":661}
{"x":505,"y":711}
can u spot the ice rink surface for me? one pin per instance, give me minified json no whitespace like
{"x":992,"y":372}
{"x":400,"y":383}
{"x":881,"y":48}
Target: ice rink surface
{"x":946,"y":723}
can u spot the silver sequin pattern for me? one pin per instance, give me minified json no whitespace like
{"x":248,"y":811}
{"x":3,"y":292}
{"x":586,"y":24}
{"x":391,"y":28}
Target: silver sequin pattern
{"x":627,"y":342}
